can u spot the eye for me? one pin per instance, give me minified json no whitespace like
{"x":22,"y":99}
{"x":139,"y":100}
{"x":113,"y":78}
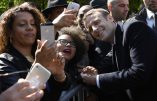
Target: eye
{"x":122,"y":5}
{"x":33,"y":24}
{"x":22,"y":24}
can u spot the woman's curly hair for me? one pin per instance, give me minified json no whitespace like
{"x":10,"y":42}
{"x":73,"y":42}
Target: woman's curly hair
{"x":6,"y":24}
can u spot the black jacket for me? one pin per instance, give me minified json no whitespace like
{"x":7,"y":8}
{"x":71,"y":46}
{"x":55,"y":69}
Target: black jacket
{"x":142,"y":16}
{"x":135,"y":56}
{"x":12,"y":61}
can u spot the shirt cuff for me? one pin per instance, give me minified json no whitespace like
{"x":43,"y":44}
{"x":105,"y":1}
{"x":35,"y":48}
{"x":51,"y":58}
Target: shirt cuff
{"x":97,"y":81}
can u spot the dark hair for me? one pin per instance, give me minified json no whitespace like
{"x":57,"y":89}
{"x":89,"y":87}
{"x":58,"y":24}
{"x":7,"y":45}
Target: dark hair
{"x":76,"y":34}
{"x":104,"y":12}
{"x":32,"y":4}
{"x":7,"y":21}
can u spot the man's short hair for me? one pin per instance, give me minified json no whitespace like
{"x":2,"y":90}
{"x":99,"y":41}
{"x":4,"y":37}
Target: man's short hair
{"x":111,"y":1}
{"x":104,"y":12}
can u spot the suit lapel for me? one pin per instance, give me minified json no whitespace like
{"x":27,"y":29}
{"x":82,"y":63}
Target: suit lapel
{"x":142,"y":15}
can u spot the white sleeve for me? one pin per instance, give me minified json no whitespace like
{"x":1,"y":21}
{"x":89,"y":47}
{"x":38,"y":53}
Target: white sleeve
{"x":97,"y":81}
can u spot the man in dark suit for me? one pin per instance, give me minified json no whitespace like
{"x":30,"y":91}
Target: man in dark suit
{"x":134,"y":56}
{"x":148,"y":14}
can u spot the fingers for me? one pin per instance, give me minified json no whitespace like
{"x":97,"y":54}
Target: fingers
{"x":72,"y":11}
{"x":27,"y":91}
{"x":35,"y":96}
{"x":39,"y":44}
{"x":90,"y":70}
{"x":89,"y":79}
{"x":21,"y":84}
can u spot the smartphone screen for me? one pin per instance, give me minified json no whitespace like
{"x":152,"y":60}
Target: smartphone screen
{"x":38,"y":75}
{"x":47,"y":33}
{"x":73,"y":5}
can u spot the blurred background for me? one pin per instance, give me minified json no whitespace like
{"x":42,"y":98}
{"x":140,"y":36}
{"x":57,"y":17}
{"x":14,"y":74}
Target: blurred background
{"x":135,"y":5}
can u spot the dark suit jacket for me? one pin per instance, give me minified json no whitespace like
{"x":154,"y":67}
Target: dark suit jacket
{"x":142,"y":15}
{"x":12,"y":61}
{"x":135,"y":56}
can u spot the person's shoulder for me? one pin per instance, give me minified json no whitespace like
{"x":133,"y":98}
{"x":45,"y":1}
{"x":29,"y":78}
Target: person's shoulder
{"x":6,"y":56}
{"x":132,"y":22}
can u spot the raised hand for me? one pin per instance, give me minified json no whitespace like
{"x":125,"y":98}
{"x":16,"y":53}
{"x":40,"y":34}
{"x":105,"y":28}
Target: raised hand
{"x":65,"y":19}
{"x":21,"y":91}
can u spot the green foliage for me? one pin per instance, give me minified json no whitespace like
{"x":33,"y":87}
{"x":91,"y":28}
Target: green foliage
{"x":6,"y":4}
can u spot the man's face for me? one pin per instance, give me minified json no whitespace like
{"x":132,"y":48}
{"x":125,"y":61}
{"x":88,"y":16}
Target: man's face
{"x":151,"y":5}
{"x":55,"y":12}
{"x":101,"y":28}
{"x":119,"y":9}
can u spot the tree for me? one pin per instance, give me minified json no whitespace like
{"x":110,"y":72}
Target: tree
{"x":6,"y":4}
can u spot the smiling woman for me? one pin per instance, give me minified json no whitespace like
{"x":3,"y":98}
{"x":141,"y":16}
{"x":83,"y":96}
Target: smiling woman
{"x":20,"y":29}
{"x":71,"y":46}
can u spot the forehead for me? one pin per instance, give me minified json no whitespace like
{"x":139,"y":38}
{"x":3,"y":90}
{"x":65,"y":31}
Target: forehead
{"x":65,"y":36}
{"x":122,"y":2}
{"x":84,"y":9}
{"x":95,"y":16}
{"x":23,"y":15}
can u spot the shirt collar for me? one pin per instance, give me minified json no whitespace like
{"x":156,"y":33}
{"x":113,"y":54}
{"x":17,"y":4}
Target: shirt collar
{"x":150,"y":14}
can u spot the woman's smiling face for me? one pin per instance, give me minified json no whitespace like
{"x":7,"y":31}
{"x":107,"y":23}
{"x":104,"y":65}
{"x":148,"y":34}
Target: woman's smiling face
{"x":66,"y":47}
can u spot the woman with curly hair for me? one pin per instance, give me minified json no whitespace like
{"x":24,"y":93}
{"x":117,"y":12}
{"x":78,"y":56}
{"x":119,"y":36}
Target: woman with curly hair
{"x":20,"y":29}
{"x":71,"y":46}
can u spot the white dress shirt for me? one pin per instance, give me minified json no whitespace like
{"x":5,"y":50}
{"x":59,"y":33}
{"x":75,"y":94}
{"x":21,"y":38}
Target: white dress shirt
{"x":150,"y":18}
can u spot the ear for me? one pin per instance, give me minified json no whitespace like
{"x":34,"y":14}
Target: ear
{"x":109,"y":6}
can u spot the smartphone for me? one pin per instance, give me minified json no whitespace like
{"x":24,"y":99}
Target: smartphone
{"x":47,"y":33}
{"x":73,"y":5}
{"x":38,"y":75}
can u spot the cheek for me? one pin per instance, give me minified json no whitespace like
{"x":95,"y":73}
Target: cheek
{"x":59,"y":47}
{"x":73,"y":52}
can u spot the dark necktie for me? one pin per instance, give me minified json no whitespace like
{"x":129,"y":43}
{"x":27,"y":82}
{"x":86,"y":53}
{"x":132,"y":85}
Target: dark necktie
{"x":155,"y":26}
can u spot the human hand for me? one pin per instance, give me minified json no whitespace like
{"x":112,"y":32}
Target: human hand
{"x":89,"y":75}
{"x":50,"y":59}
{"x":57,"y":67}
{"x":90,"y":70}
{"x":44,"y":54}
{"x":21,"y":91}
{"x":65,"y":19}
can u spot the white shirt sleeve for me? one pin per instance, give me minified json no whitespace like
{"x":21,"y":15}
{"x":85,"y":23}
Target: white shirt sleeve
{"x":97,"y":81}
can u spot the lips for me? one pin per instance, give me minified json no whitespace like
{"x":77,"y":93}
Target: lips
{"x":29,"y":34}
{"x":67,"y":51}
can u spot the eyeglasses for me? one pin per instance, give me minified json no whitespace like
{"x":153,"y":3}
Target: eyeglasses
{"x":66,"y":42}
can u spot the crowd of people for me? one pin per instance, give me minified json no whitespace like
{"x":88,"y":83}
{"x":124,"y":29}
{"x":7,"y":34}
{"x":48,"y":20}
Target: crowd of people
{"x":99,"y":46}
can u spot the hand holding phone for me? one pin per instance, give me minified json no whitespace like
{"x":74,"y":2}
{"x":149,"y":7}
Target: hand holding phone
{"x":73,"y":5}
{"x":38,"y":76}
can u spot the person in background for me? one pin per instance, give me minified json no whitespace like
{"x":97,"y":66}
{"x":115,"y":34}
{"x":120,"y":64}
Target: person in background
{"x":20,"y":29}
{"x":54,"y":9}
{"x":148,"y":14}
{"x":98,"y":3}
{"x":134,"y":56}
{"x":21,"y":91}
{"x":81,"y":12}
{"x":118,"y":9}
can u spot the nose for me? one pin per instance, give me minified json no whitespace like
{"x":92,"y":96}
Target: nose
{"x":68,"y":45}
{"x":29,"y":27}
{"x":127,"y":8}
{"x":95,"y":30}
